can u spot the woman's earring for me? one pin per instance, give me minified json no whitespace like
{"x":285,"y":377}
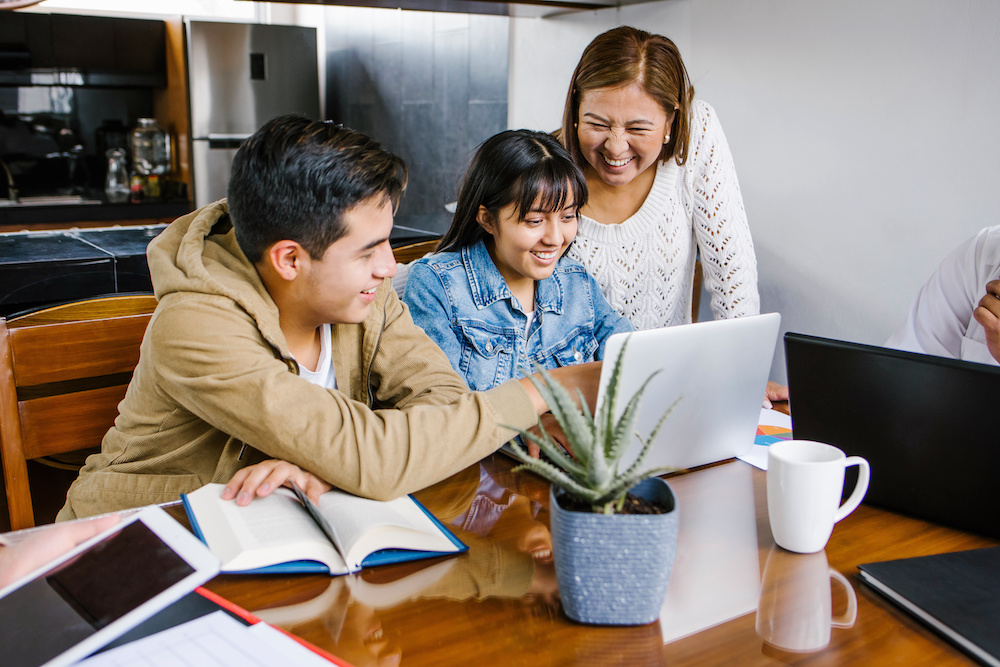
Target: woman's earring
{"x":666,"y":139}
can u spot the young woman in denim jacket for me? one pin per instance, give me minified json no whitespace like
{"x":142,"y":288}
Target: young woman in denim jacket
{"x":499,"y":296}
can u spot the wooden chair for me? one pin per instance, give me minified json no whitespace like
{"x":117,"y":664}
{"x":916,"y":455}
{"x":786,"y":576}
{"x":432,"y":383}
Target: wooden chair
{"x":696,"y":296}
{"x":405,"y":254}
{"x":63,"y":371}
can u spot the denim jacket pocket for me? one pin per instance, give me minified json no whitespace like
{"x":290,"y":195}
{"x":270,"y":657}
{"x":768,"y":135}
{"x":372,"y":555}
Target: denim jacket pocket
{"x":488,"y":354}
{"x":575,"y":349}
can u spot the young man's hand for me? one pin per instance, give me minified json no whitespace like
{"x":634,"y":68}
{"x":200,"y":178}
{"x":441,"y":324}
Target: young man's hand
{"x":264,"y":477}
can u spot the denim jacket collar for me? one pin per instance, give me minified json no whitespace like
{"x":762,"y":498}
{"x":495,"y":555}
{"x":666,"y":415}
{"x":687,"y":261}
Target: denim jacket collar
{"x":488,"y":286}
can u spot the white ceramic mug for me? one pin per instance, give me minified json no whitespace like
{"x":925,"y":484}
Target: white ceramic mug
{"x":795,"y":612}
{"x":805,"y":480}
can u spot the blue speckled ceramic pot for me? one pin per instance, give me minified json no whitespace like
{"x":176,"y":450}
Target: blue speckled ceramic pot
{"x":614,"y":570}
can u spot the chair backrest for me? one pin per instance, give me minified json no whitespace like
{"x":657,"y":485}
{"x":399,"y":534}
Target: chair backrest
{"x":696,"y":294}
{"x":405,"y":254}
{"x":63,"y":371}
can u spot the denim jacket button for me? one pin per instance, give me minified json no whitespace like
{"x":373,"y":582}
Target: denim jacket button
{"x":577,"y":355}
{"x":489,"y":346}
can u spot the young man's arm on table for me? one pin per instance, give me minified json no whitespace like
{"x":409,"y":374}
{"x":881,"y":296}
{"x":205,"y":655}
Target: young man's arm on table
{"x":233,"y":382}
{"x":261,"y":479}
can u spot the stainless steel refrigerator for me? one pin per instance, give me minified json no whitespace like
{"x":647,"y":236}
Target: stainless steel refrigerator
{"x":239,"y":77}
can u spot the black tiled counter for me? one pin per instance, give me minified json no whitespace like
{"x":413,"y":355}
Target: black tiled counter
{"x":37,"y":268}
{"x":45,"y":267}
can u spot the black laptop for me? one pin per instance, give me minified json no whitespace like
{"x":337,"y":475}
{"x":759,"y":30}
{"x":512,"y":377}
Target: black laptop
{"x":928,"y":425}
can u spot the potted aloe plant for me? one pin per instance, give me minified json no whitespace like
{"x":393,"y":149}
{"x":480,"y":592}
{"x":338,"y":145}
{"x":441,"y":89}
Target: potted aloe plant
{"x":612,"y":564}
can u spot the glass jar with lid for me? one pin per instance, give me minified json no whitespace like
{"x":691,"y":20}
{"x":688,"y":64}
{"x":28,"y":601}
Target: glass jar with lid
{"x":116,"y":181}
{"x":150,"y":148}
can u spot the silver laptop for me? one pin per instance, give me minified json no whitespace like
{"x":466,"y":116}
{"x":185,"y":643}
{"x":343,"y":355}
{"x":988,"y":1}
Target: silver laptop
{"x":718,"y":369}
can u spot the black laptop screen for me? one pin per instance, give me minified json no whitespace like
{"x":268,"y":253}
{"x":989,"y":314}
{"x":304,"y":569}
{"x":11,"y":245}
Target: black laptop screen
{"x":926,"y":425}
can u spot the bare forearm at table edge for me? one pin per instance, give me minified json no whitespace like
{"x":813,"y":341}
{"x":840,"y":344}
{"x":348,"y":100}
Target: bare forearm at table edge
{"x":583,"y":377}
{"x":536,"y":398}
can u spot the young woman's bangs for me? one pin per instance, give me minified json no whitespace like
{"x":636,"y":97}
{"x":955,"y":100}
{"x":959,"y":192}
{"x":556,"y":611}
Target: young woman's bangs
{"x":550,"y":189}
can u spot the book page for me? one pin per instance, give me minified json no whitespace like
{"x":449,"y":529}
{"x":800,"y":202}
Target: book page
{"x":268,"y":531}
{"x":367,"y":526}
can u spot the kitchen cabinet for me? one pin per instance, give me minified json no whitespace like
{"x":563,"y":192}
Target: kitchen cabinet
{"x":101,"y":51}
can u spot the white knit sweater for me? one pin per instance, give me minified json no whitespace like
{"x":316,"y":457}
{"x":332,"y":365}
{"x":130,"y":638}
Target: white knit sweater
{"x":645,"y":265}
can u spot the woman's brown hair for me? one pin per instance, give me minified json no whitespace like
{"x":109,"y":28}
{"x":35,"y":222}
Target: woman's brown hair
{"x":622,"y":56}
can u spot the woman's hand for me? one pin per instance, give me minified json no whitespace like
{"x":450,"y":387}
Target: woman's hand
{"x":774,"y":392}
{"x":263,"y":478}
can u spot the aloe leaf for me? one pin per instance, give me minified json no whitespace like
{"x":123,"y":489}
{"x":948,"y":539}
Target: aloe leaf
{"x":623,"y":485}
{"x":626,"y":424}
{"x":607,"y":407}
{"x":599,"y":473}
{"x":598,"y":441}
{"x":550,"y":447}
{"x":564,"y":409}
{"x":559,"y":478}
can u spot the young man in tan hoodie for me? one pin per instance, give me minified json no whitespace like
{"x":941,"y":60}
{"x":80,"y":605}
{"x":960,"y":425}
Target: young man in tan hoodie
{"x":278,"y":336}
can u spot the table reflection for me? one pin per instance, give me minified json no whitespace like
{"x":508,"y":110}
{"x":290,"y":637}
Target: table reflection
{"x":795,"y":612}
{"x":508,"y":570}
{"x":716,"y":576}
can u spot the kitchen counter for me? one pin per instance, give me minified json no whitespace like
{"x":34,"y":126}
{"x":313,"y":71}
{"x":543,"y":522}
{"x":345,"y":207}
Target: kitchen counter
{"x":52,"y":266}
{"x":63,"y":213}
{"x":44,"y":267}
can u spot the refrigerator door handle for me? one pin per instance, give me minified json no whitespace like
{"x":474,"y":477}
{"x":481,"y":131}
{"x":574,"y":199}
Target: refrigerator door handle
{"x":226,"y":140}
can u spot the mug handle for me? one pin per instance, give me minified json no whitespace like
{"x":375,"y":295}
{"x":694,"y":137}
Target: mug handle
{"x":864,"y":475}
{"x":847,"y":619}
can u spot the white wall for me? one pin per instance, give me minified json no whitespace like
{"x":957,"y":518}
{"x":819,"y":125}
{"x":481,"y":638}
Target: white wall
{"x":864,"y":133}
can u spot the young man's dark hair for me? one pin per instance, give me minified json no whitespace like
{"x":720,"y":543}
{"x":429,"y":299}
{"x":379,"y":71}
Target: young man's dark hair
{"x":294,"y":178}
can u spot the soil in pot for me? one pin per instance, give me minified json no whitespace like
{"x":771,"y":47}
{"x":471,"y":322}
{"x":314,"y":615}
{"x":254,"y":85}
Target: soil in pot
{"x":633,"y":505}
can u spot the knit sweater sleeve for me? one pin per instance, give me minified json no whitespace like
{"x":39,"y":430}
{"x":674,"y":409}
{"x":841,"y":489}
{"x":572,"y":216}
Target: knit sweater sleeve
{"x":720,"y":221}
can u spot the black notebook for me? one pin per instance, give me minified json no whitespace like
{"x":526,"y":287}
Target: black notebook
{"x":957,"y":594}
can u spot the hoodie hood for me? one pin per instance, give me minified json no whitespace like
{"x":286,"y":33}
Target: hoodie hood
{"x":198,"y":253}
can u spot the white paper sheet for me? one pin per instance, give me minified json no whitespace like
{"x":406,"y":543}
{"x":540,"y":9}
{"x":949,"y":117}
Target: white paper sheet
{"x":215,"y":640}
{"x":757,"y":456}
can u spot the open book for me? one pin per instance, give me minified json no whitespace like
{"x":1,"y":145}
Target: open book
{"x":277,"y":533}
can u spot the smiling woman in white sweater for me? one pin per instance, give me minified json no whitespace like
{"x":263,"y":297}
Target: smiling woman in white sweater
{"x":662,"y":185}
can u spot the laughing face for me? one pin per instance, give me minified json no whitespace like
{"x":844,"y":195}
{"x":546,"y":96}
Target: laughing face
{"x":621,"y":132}
{"x":526,"y":249}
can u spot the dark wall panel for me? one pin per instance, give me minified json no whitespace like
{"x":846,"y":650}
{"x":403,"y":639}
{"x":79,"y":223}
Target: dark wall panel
{"x":429,"y":86}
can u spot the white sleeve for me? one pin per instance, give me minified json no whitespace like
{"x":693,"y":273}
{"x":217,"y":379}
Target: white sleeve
{"x":720,"y":220}
{"x":940,"y":315}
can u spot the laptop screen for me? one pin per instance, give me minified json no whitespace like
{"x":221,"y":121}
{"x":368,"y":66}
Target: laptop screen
{"x":924,"y":423}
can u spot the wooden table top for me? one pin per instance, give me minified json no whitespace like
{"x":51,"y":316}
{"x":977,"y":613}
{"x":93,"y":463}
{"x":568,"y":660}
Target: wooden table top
{"x":498,"y":604}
